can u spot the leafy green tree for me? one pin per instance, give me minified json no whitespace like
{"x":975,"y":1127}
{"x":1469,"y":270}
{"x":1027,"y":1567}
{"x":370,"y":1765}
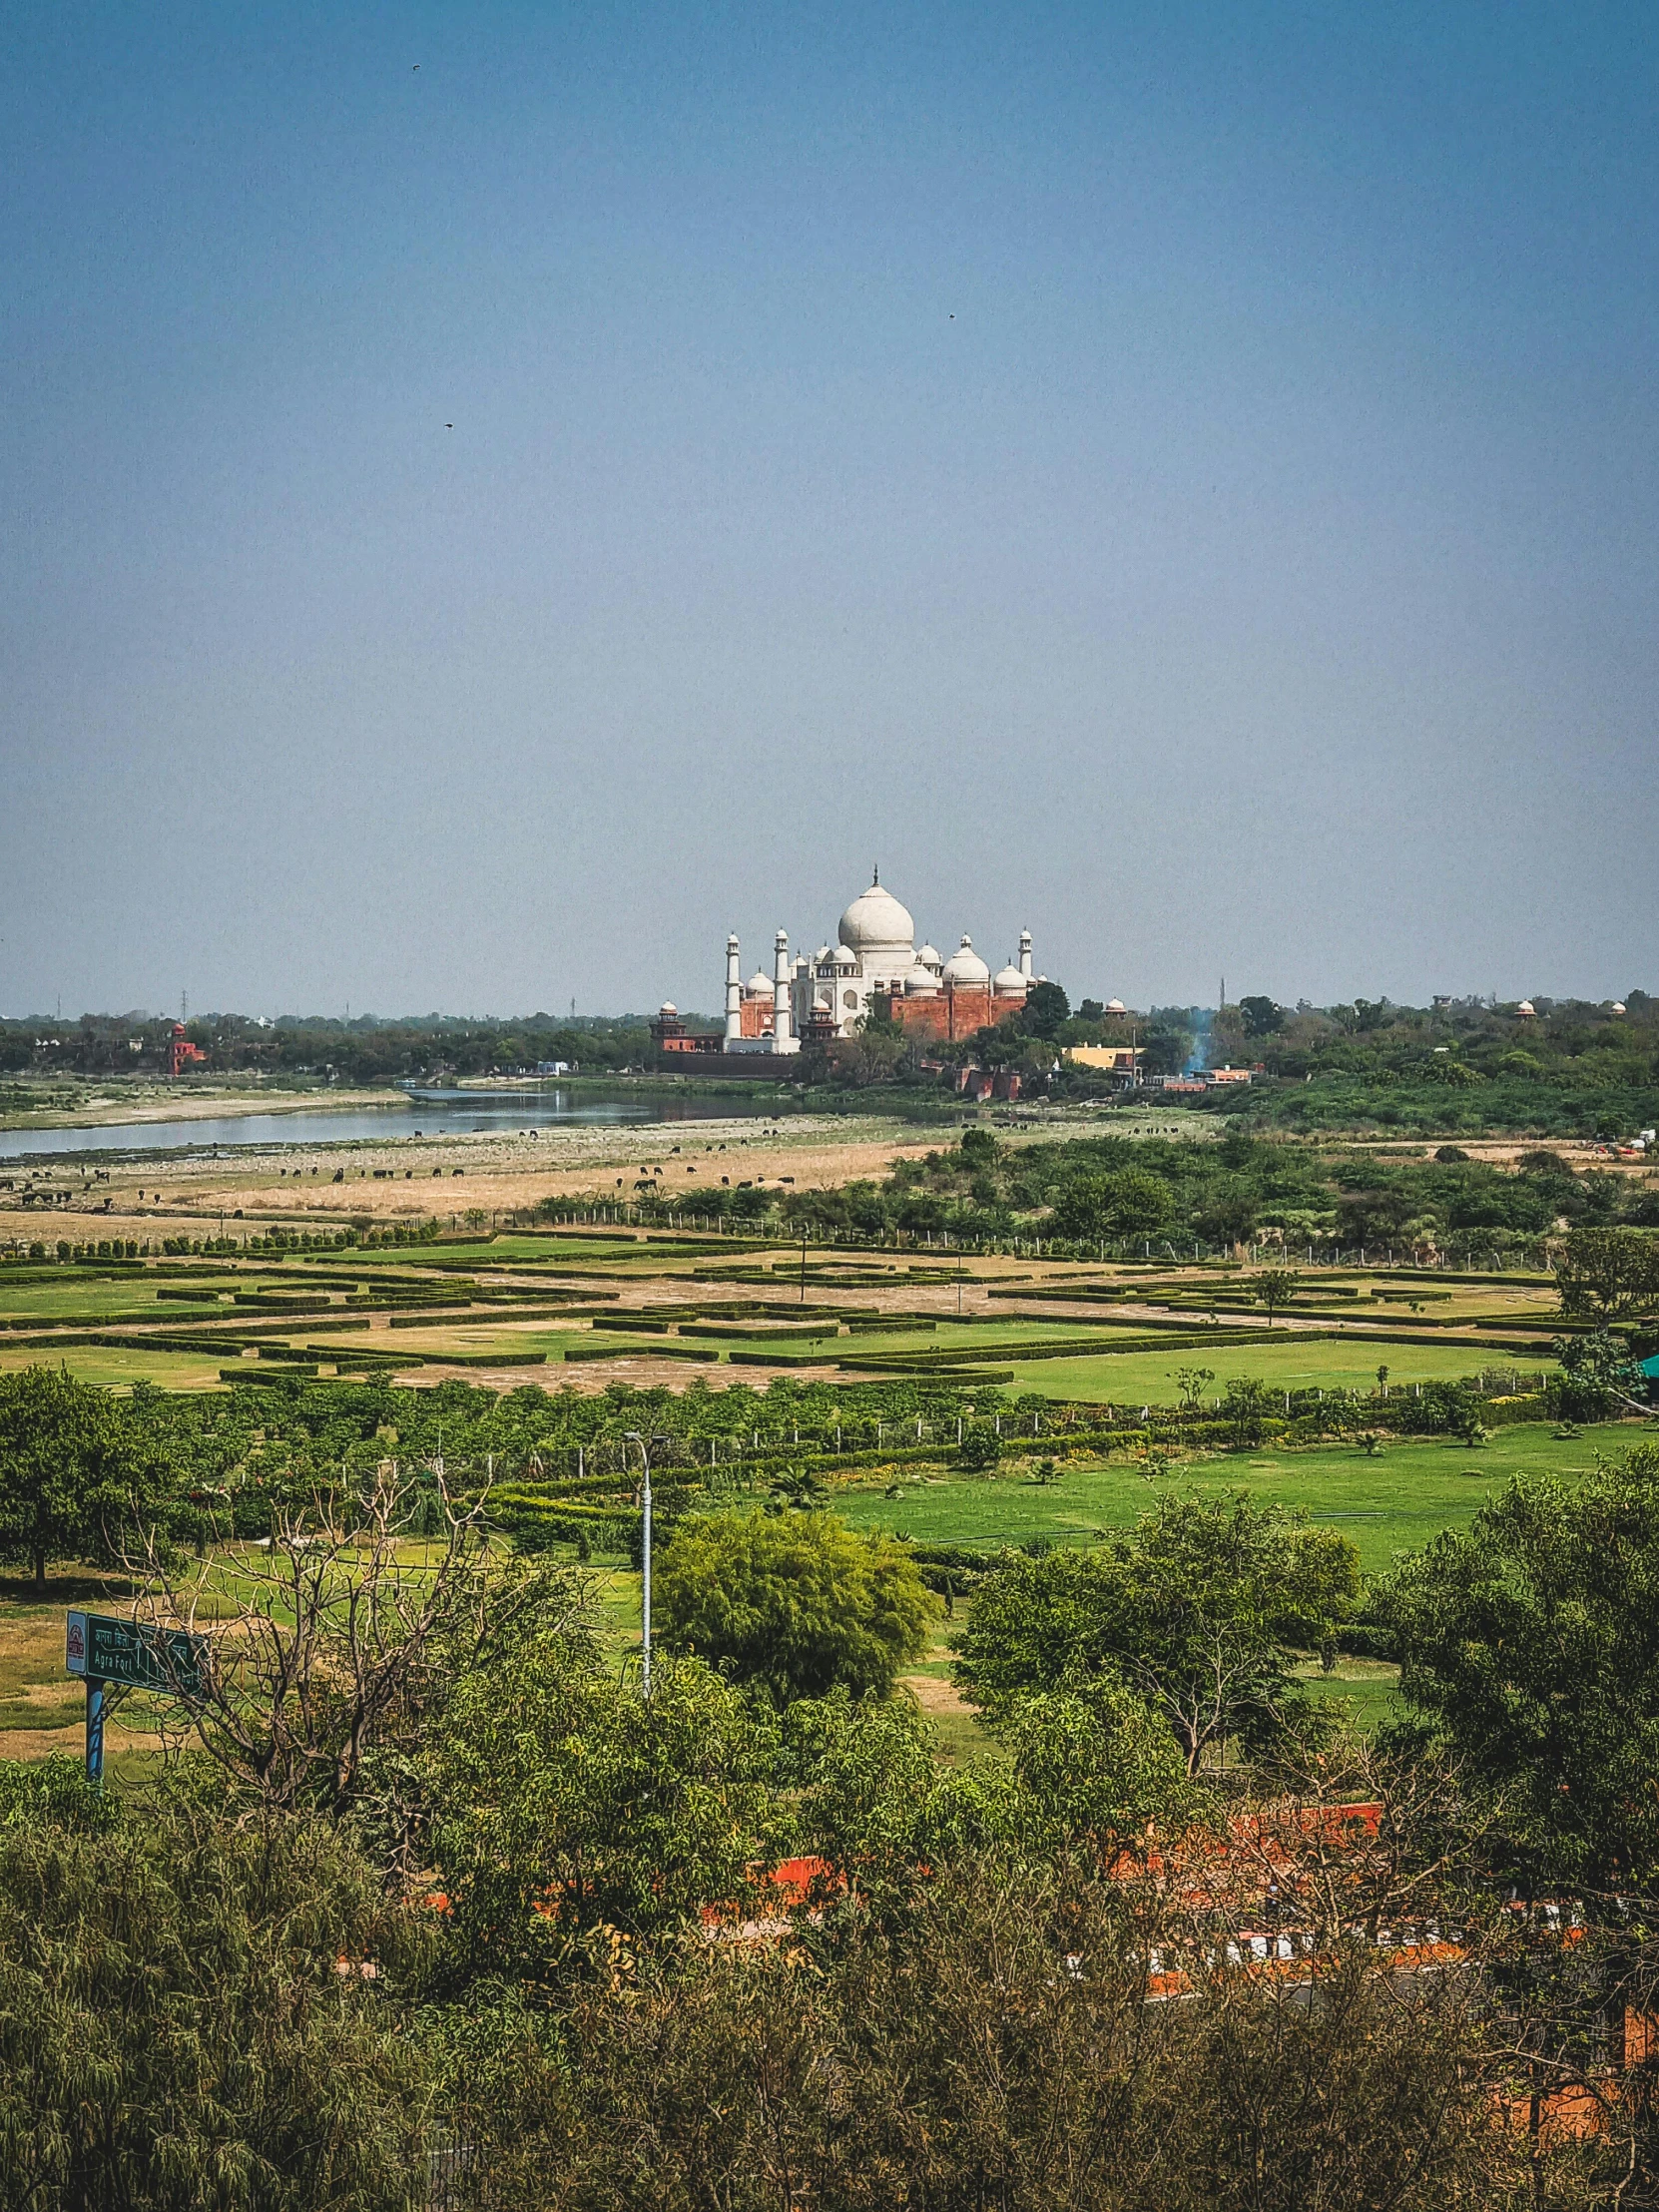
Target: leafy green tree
{"x":1274,"y":1289}
{"x":1608,"y":1273}
{"x":1131,"y":1204}
{"x":1597,"y":1371}
{"x":797,"y":1606}
{"x":1046,"y":1008}
{"x":76,"y":1478}
{"x":177,"y":2029}
{"x":980,"y":1448}
{"x":978,"y":1149}
{"x":566,"y":1805}
{"x":1095,"y":1762}
{"x":1530,"y":1644}
{"x":1201,"y":1609}
{"x":1244,"y":1408}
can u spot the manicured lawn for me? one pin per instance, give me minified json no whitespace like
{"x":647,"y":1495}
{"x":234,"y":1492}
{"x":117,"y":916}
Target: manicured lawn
{"x":115,"y":1300}
{"x":116,"y":1369}
{"x":1148,"y":1377}
{"x":1386,"y":1506}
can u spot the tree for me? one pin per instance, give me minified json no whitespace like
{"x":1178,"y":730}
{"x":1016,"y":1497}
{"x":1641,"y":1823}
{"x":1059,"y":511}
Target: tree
{"x":1529,"y":1643}
{"x":1096,"y":1762}
{"x":1598,"y":1371}
{"x":332,"y":1653}
{"x":1046,"y":1008}
{"x":978,"y":1149}
{"x":1243,"y":1406}
{"x":1261,"y":1016}
{"x":564,"y":1805}
{"x":1130,"y":1203}
{"x":1608,"y":1273}
{"x":189,"y":2019}
{"x":1274,"y":1288}
{"x":76,"y":1478}
{"x":980,"y":1448}
{"x":797,"y":1606}
{"x":1192,"y":1383}
{"x":1201,"y":1610}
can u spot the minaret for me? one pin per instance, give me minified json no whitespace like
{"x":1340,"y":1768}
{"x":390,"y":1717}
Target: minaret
{"x":782,"y":1035}
{"x":734,"y":992}
{"x":1025,"y":954}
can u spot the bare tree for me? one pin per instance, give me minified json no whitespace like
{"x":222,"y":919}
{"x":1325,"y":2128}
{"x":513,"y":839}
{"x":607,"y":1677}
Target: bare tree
{"x":328,"y":1646}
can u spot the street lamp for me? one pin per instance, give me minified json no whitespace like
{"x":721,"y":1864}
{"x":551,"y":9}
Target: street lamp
{"x":633,"y":1436}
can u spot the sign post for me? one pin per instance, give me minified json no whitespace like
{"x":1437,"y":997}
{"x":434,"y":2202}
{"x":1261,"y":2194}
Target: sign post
{"x":132,"y":1657}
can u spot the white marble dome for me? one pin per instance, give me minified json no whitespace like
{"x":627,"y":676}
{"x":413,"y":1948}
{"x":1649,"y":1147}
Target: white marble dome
{"x":965,"y":966}
{"x":875,"y":924}
{"x":1116,"y":1006}
{"x":922,"y":982}
{"x":1009,"y":982}
{"x":928,"y":958}
{"x":758,"y":985}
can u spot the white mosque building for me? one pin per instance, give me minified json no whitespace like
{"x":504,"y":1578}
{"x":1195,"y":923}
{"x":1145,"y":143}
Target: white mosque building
{"x":826,"y":994}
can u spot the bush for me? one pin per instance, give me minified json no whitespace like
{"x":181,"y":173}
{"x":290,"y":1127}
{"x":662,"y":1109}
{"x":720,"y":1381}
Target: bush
{"x":980,"y":1448}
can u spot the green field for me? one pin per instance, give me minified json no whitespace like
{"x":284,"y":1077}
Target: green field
{"x":118,"y":1368}
{"x":1388,"y":1505}
{"x":1148,"y":1377}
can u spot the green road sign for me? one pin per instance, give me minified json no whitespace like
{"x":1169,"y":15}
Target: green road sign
{"x":106,"y":1650}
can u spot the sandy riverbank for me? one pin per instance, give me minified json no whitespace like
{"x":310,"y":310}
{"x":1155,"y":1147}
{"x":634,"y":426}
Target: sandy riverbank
{"x":138,"y":1105}
{"x":491,"y":1171}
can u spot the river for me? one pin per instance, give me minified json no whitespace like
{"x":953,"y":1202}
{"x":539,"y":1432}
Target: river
{"x":476,"y":1110}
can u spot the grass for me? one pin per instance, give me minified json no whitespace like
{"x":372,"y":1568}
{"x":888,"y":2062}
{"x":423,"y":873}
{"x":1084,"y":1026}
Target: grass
{"x":114,"y":1301}
{"x":1148,"y":1377}
{"x":1388,"y":1505}
{"x":118,"y":1368}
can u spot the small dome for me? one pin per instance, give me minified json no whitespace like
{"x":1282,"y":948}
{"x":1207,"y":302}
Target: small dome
{"x":922,"y":982}
{"x":1526,"y":1007}
{"x":1618,"y":1006}
{"x":1009,"y":982}
{"x":758,"y":985}
{"x":1116,"y":1006}
{"x":877,"y":922}
{"x":965,"y":967}
{"x":823,"y":953}
{"x":666,"y":1007}
{"x":928,"y":958}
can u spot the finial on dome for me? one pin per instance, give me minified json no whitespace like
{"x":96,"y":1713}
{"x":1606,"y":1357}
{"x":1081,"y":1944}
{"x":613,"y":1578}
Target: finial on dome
{"x":874,"y":876}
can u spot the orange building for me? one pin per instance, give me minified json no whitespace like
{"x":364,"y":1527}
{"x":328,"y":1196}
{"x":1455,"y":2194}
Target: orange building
{"x":181,"y":1053}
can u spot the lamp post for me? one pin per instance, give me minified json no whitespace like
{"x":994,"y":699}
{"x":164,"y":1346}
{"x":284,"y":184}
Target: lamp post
{"x":633,"y":1436}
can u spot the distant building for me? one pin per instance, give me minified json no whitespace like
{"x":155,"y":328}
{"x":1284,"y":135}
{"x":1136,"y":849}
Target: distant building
{"x":875,"y":968}
{"x":1115,"y":1059}
{"x":181,"y":1053}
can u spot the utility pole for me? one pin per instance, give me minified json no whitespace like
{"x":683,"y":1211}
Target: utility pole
{"x":633,"y":1436}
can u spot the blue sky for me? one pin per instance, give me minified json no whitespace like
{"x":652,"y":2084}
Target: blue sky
{"x":1179,"y":480}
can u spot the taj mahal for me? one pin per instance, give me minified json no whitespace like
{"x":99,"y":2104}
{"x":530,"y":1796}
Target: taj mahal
{"x":874,"y":966}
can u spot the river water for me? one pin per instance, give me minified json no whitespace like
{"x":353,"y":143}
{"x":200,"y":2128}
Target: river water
{"x":500,"y":1111}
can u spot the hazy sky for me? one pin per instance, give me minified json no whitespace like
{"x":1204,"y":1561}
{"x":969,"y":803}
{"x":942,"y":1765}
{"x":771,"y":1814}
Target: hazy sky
{"x":1180,"y":478}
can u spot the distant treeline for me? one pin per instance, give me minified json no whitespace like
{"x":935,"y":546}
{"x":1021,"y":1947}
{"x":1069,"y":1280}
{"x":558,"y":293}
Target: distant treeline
{"x":364,"y":1050}
{"x":1566,"y":1068}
